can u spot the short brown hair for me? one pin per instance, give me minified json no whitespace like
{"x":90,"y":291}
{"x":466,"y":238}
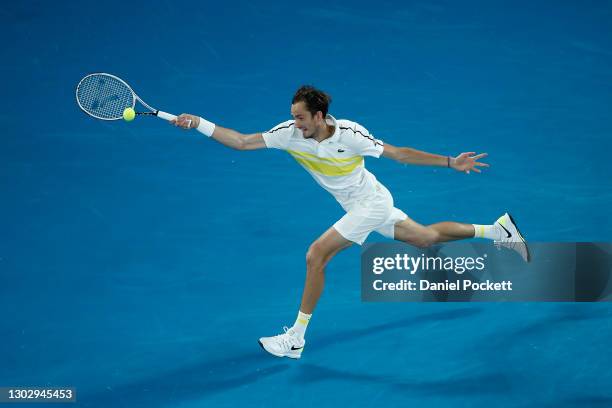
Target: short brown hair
{"x":314,"y":99}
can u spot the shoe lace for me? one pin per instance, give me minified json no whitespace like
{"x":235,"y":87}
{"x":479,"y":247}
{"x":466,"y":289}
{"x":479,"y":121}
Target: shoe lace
{"x":285,"y":339}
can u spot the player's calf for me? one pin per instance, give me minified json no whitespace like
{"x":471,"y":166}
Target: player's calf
{"x":417,"y":235}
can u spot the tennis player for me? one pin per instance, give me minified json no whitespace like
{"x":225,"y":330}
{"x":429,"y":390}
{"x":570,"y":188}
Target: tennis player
{"x":332,"y":151}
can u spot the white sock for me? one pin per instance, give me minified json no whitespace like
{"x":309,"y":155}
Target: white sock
{"x":487,"y":231}
{"x":301,"y":323}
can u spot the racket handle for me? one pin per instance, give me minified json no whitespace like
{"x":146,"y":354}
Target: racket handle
{"x":166,"y":116}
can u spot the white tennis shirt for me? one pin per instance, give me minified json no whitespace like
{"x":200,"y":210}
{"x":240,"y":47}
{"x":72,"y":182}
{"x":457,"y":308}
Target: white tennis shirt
{"x":336,"y":163}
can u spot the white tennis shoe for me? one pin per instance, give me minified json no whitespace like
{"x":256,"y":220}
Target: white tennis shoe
{"x":511,"y":237}
{"x":288,"y":344}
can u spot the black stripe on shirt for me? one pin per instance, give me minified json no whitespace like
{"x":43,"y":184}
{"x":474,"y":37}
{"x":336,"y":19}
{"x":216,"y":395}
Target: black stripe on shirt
{"x":279,"y":128}
{"x":369,"y":137}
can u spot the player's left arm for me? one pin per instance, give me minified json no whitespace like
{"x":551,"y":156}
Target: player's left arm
{"x":464,"y":162}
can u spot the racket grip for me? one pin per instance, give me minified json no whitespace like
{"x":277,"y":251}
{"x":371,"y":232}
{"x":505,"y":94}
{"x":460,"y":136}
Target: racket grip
{"x":166,"y":116}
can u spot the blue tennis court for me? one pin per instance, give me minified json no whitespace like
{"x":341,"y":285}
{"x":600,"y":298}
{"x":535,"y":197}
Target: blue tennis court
{"x":140,"y":263}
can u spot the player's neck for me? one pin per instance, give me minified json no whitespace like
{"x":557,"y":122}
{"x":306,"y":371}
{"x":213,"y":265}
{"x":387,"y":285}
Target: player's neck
{"x":324,"y":133}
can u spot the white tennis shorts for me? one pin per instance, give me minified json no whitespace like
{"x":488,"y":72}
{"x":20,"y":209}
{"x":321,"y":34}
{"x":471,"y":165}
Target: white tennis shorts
{"x":373,"y":213}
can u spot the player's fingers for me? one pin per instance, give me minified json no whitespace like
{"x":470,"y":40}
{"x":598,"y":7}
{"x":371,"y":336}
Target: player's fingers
{"x":481,"y":164}
{"x":476,"y":170}
{"x":480,"y":156}
{"x":181,"y":120}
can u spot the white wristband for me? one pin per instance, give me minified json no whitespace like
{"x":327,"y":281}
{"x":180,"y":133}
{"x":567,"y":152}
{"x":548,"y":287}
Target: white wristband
{"x":206,"y":127}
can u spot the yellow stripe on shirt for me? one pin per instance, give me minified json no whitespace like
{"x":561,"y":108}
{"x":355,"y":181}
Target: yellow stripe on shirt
{"x":327,"y":167}
{"x":309,"y":156}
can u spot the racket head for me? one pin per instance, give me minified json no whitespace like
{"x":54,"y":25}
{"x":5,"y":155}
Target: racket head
{"x":104,"y":96}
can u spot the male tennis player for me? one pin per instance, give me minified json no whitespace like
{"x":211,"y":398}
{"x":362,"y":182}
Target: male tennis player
{"x":333,"y":151}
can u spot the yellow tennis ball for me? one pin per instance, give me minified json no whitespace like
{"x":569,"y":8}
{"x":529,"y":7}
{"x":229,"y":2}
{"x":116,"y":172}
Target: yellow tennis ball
{"x":129,"y":114}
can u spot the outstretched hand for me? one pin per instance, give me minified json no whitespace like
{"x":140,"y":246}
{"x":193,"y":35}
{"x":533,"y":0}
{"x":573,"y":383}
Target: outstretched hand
{"x":467,"y":162}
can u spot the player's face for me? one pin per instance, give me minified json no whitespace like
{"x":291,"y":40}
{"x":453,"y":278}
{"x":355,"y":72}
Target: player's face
{"x":304,"y":120}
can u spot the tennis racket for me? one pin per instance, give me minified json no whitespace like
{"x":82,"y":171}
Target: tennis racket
{"x":105,"y":96}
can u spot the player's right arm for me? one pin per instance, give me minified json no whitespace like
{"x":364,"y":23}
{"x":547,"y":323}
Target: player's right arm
{"x":228,"y":137}
{"x":237,"y":140}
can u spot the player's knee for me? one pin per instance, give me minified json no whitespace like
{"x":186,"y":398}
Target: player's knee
{"x":431,"y":237}
{"x":314,"y":256}
{"x":427,"y":238}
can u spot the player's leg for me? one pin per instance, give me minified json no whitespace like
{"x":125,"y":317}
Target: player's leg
{"x":361,"y":219}
{"x":291,"y":343}
{"x":319,"y":254}
{"x":451,"y":231}
{"x":402,"y":228}
{"x":504,"y":232}
{"x":413,"y":233}
{"x":397,"y":225}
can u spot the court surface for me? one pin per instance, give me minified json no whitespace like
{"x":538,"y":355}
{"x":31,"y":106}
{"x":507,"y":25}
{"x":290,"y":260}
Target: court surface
{"x":141,"y":263}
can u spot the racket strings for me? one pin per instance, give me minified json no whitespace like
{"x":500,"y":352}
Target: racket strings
{"x":104,"y":96}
